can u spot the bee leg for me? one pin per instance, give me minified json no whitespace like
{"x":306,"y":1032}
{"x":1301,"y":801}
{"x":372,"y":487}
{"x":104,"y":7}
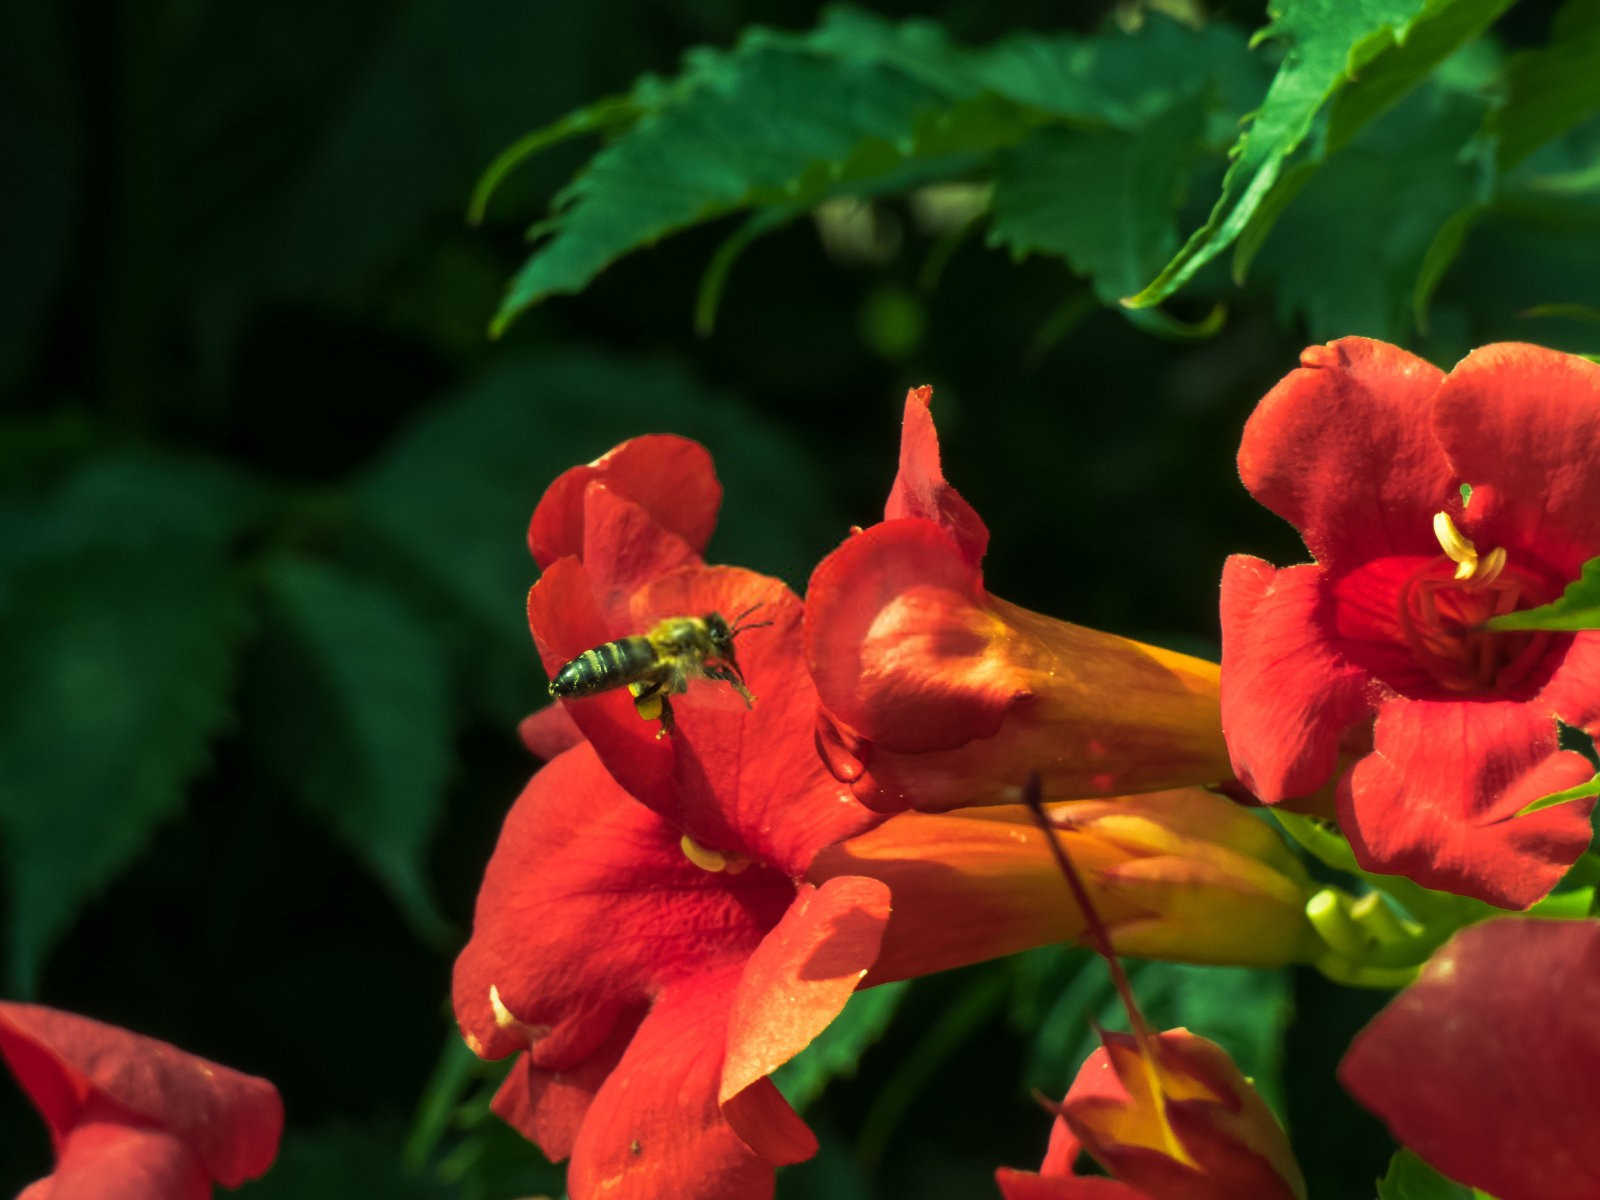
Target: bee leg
{"x":650,"y":702}
{"x":733,"y":679}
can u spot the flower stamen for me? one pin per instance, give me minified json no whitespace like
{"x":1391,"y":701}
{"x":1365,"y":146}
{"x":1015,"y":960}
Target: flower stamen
{"x":1459,"y":549}
{"x":711,"y":860}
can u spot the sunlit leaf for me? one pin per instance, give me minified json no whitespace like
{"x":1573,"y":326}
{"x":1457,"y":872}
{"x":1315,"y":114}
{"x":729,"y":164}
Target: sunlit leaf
{"x":1577,"y":608}
{"x":1329,"y":262}
{"x":1409,"y":1178}
{"x":1366,"y":52}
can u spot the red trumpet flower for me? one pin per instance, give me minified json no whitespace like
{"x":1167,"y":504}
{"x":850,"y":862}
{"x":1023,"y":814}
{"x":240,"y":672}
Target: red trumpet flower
{"x":1430,"y":503}
{"x":937,"y":694}
{"x":133,"y":1118}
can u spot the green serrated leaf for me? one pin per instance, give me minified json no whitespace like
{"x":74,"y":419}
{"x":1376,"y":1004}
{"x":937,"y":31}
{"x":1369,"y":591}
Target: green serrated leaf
{"x":1330,"y":263}
{"x":1367,"y":53}
{"x":1552,"y":88}
{"x":358,"y":688}
{"x":837,"y":1050}
{"x":860,"y":106}
{"x":1577,"y":608}
{"x":767,"y":125}
{"x":121,"y":613}
{"x":1409,"y":1178}
{"x":1105,"y":200}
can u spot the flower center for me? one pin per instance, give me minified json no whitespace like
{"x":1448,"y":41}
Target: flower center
{"x":1442,"y":610}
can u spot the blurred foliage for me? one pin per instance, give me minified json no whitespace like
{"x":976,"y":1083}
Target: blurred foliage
{"x":264,"y":481}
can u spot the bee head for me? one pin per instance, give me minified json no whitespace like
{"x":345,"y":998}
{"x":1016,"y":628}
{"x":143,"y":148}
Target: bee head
{"x":720,"y":633}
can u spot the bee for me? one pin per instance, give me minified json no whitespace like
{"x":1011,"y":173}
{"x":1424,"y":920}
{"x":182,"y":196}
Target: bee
{"x":659,"y":664}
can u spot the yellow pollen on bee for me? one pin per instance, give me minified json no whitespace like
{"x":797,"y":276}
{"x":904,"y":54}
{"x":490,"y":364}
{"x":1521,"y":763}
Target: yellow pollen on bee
{"x":1460,"y":550}
{"x":711,"y":860}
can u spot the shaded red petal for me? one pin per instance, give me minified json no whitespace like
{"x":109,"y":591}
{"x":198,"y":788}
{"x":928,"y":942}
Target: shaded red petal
{"x":1288,"y":697}
{"x":1437,"y":799}
{"x":1521,"y":424}
{"x":920,"y":489}
{"x":764,"y":1121}
{"x":655,"y":1128}
{"x":548,"y":1107}
{"x":1343,"y":450}
{"x":800,"y":976}
{"x":72,"y":1066}
{"x":670,"y":477}
{"x":588,"y":908}
{"x":107,"y":1160}
{"x":624,"y":549}
{"x":548,"y":731}
{"x":1486,"y":1065}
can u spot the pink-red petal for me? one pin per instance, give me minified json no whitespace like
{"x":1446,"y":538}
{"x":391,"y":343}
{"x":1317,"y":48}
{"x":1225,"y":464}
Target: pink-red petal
{"x":1521,"y":424}
{"x":587,"y":910}
{"x":624,"y":549}
{"x":1288,"y":696}
{"x":655,"y":1128}
{"x":670,"y":477}
{"x":1438,"y":798}
{"x":1486,"y":1065}
{"x":1343,"y":450}
{"x":548,"y":1107}
{"x":78,"y":1069}
{"x":896,"y":640}
{"x":920,"y":489}
{"x":107,"y":1160}
{"x":800,"y":976}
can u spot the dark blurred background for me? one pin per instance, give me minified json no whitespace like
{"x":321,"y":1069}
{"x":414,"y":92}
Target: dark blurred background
{"x":263,"y":487}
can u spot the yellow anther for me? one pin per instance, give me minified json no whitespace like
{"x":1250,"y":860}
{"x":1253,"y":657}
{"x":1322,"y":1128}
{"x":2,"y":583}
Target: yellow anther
{"x":1493,"y":563}
{"x":706,"y":860}
{"x":1458,"y":548}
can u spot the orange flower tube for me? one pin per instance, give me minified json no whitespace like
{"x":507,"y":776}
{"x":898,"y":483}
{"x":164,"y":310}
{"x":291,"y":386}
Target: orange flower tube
{"x":1183,"y":875}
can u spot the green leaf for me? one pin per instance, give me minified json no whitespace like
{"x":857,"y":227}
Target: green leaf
{"x":445,"y":509}
{"x":1583,"y":790}
{"x":1552,"y":88}
{"x":121,"y":613}
{"x":767,"y":123}
{"x":351,"y":707}
{"x":1577,"y":608}
{"x":1409,"y":1178}
{"x":340,"y":1160}
{"x":1367,"y":53}
{"x":859,"y":106}
{"x":1105,"y":200}
{"x":1329,"y":262}
{"x":837,"y":1050}
{"x":1244,"y":1010}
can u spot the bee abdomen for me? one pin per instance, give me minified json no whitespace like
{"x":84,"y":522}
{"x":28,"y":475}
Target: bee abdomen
{"x":604,"y":667}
